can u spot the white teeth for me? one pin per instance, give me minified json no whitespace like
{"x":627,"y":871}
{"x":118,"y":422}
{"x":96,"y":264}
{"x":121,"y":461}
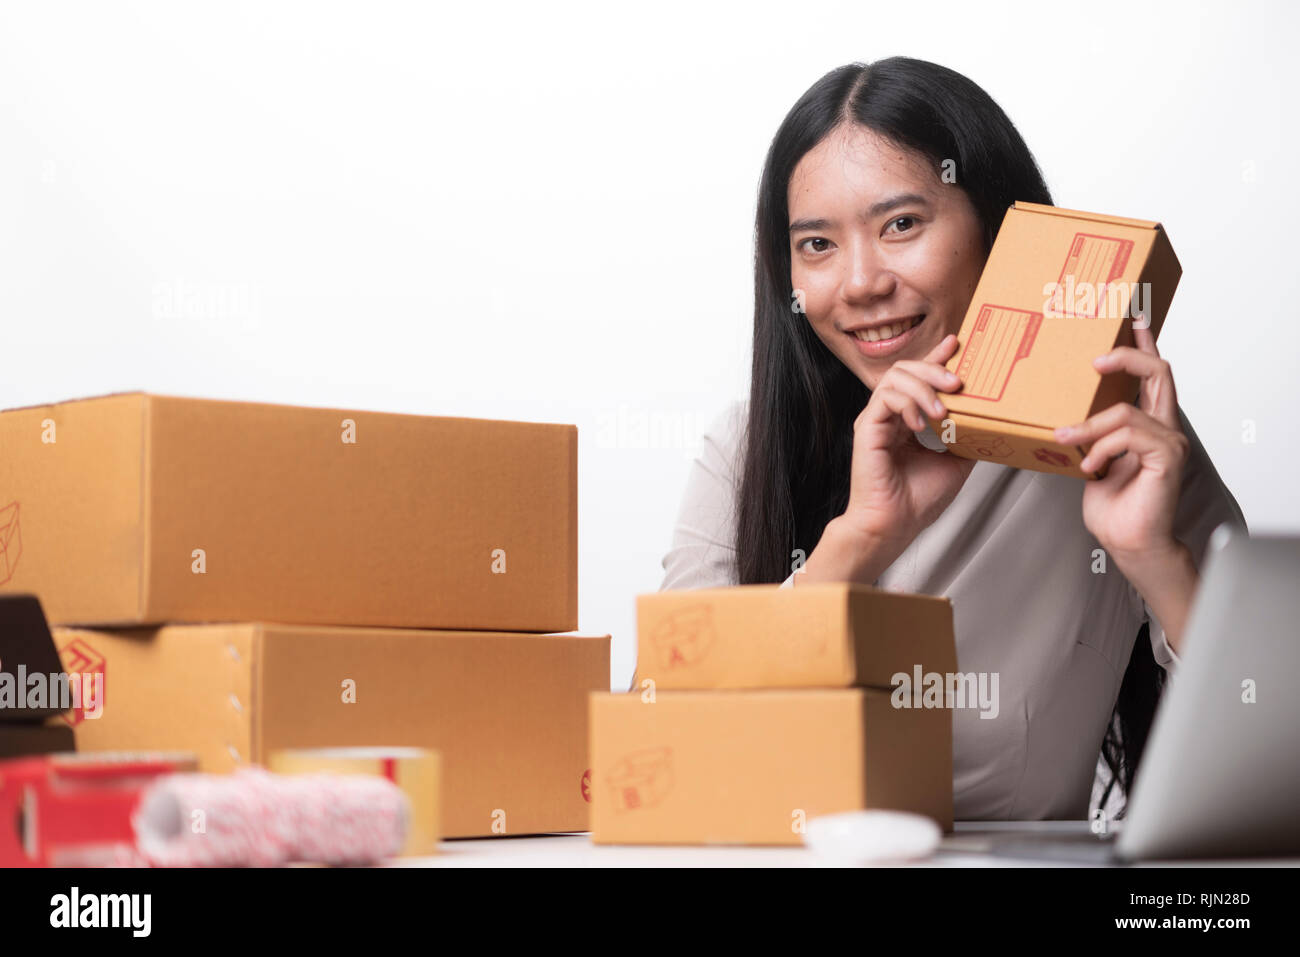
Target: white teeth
{"x":886,"y":332}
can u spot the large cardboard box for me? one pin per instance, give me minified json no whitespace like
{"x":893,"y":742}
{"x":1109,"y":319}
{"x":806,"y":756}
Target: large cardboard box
{"x":1060,"y":288}
{"x":507,"y":712}
{"x":752,"y":767}
{"x":811,"y":636}
{"x":134,"y":509}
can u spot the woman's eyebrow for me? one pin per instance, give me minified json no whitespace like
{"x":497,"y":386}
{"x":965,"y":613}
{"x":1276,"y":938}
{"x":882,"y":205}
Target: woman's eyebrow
{"x":876,"y":209}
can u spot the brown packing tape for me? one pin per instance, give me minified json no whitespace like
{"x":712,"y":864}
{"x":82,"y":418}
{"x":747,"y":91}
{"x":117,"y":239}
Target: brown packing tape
{"x":416,"y":771}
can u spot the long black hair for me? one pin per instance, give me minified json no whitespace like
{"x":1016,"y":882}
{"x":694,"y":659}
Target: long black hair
{"x":803,"y":399}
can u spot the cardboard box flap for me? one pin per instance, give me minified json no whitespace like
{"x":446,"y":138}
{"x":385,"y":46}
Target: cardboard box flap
{"x":1081,"y":214}
{"x":146,"y":395}
{"x":62,"y":402}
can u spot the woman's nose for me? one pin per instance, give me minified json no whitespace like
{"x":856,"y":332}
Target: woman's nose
{"x":866,"y":277}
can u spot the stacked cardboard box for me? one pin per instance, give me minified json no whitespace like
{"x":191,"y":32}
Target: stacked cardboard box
{"x":253,"y":577}
{"x":757,"y":708}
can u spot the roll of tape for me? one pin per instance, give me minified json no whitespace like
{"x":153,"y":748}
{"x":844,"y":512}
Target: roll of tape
{"x":253,"y":818}
{"x":415,"y":770}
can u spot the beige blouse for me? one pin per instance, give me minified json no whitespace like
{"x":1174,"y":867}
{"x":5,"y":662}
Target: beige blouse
{"x":1013,"y":555}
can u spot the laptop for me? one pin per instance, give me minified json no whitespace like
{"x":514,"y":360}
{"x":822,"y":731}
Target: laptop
{"x":1220,"y":775}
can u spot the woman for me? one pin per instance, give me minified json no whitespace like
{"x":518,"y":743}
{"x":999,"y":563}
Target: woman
{"x":868,"y":255}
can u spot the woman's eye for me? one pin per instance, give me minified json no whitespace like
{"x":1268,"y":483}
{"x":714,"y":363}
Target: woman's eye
{"x":812,"y":245}
{"x":909,"y":220}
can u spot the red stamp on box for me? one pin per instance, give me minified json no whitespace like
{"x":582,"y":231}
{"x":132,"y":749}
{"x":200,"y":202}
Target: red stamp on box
{"x":684,"y":637}
{"x":642,"y":779}
{"x":1002,"y":336}
{"x":983,"y":444}
{"x":11,"y":541}
{"x":585,"y":785}
{"x":1051,"y":457}
{"x":85,"y":665}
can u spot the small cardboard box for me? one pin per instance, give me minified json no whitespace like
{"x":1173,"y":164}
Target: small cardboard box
{"x":1060,"y":288}
{"x":506,"y":712}
{"x":752,"y":767}
{"x":810,"y":636}
{"x":139,"y":509}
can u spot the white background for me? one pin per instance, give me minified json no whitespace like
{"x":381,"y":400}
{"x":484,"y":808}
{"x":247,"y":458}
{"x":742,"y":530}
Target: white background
{"x":545,"y":211}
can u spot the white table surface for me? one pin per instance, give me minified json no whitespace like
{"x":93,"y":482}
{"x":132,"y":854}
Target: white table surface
{"x":965,"y":847}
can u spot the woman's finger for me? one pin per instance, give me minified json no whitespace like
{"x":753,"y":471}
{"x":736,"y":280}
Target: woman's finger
{"x":1108,"y":420}
{"x":931,"y":373}
{"x":943,"y":350}
{"x":1144,"y":340}
{"x":1157,"y":386}
{"x":1137,"y":440}
{"x":896,"y":403}
{"x":1130,"y":360}
{"x":921,"y":392}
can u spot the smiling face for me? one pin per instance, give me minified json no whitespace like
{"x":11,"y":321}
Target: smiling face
{"x":886,"y":254}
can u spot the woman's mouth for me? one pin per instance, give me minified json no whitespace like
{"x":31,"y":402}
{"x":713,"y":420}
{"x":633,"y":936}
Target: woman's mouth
{"x":884,"y":340}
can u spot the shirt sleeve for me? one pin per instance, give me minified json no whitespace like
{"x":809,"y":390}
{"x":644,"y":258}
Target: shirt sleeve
{"x":703,"y":551}
{"x":1204,"y":503}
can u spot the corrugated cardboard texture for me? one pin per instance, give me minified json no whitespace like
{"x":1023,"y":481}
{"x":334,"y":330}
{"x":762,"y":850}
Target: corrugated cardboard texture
{"x":764,"y":636}
{"x":506,"y":712}
{"x":419,"y":522}
{"x":1025,"y":357}
{"x":751,"y":767}
{"x":73,"y":474}
{"x":181,"y":688}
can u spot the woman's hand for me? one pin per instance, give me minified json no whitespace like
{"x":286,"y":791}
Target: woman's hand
{"x":1131,"y":510}
{"x":898,"y":486}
